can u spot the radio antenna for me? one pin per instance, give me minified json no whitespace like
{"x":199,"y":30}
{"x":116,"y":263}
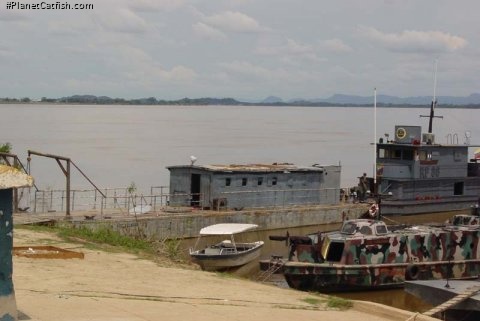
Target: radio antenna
{"x":434,"y":100}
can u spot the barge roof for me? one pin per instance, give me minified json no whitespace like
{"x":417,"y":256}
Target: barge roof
{"x":275,"y":167}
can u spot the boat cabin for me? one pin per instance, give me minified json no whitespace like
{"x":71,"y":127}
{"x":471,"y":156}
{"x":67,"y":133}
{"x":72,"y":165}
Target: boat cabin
{"x":253,"y":185}
{"x":422,"y":175}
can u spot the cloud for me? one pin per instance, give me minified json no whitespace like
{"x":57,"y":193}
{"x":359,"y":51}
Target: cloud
{"x":12,"y":15}
{"x":415,"y":41}
{"x":179,"y":73}
{"x":289,"y":51}
{"x":233,"y":21}
{"x":336,"y":45}
{"x":122,"y":20}
{"x":156,"y":5}
{"x":205,"y":31}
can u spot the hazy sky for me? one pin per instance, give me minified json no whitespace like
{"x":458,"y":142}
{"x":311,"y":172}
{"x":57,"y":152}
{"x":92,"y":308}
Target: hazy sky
{"x":245,"y":49}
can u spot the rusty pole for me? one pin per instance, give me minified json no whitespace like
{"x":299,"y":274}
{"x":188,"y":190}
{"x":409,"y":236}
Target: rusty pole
{"x":66,"y":172}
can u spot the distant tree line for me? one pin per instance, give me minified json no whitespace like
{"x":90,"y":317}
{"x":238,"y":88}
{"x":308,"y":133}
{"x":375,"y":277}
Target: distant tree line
{"x":104,"y":100}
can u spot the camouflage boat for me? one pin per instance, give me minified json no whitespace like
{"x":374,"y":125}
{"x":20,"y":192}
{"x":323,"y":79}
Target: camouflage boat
{"x":365,"y":254}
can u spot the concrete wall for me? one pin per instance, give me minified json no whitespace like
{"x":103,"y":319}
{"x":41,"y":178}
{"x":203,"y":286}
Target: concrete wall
{"x":8,"y":306}
{"x":185,"y":225}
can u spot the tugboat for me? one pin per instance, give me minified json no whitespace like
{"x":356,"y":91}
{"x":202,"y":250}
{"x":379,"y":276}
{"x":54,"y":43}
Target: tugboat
{"x":365,"y":254}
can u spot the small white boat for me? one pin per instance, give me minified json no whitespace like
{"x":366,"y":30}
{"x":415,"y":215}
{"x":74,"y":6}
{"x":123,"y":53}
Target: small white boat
{"x":226,"y":254}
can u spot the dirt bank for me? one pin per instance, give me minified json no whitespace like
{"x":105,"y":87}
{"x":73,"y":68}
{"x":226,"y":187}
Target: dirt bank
{"x":118,"y":286}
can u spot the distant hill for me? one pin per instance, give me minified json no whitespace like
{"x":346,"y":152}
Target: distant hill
{"x":393,"y":100}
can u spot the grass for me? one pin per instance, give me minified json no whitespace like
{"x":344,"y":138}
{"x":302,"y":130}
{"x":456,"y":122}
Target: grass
{"x":335,"y":302}
{"x":312,"y":301}
{"x":106,"y":239}
{"x":331,"y":302}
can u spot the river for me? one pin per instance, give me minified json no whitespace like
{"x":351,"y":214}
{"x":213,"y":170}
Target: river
{"x":119,"y":145}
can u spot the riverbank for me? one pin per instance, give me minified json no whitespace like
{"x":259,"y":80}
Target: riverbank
{"x":110,"y":285}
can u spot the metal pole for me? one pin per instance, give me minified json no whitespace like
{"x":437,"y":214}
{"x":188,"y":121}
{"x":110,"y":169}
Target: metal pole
{"x":67,"y":212}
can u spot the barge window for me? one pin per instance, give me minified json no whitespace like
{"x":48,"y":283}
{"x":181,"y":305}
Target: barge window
{"x":228,"y":181}
{"x":274,"y":181}
{"x":335,"y":251}
{"x":244,"y":181}
{"x":458,"y":188}
{"x":259,"y":181}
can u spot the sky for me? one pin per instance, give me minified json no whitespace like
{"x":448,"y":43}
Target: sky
{"x":243,"y":49}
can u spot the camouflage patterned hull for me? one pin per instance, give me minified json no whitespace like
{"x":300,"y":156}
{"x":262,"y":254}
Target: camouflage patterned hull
{"x":364,"y":255}
{"x":335,"y":278}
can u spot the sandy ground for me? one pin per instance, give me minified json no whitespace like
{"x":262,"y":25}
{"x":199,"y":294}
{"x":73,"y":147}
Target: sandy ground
{"x":117,"y":286}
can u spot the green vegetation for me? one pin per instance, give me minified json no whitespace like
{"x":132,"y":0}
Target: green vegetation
{"x":339,"y":303}
{"x":106,"y":239}
{"x":5,"y":148}
{"x":312,"y":300}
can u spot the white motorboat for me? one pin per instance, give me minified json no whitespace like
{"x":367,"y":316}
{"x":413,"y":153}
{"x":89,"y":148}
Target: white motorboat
{"x":226,"y":254}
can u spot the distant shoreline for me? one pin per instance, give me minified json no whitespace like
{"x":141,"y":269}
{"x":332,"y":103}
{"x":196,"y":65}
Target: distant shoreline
{"x":221,"y":102}
{"x":174,"y":103}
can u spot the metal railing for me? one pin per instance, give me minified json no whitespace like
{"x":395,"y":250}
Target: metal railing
{"x":43,"y":201}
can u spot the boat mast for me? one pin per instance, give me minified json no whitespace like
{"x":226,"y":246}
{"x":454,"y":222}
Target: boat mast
{"x":434,"y":101}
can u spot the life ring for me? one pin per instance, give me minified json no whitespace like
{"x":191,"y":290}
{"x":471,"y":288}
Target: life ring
{"x":373,"y":210}
{"x":412,"y":272}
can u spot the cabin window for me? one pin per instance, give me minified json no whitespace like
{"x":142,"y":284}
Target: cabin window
{"x":228,"y":181}
{"x":407,"y":155}
{"x":422,"y":155}
{"x":349,"y":228}
{"x":382,"y":153}
{"x":397,"y":154}
{"x":458,"y":188}
{"x":335,"y":251}
{"x":457,"y":156}
{"x":366,"y":230}
{"x":244,"y":181}
{"x":259,"y":181}
{"x":381,"y":229}
{"x":274,"y":181}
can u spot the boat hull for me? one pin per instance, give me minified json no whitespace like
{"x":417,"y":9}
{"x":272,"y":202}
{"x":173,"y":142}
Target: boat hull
{"x":326,"y":277}
{"x":223,"y":262}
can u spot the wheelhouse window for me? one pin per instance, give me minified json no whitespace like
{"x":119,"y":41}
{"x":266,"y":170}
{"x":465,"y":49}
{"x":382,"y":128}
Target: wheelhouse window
{"x":383,"y":153}
{"x":228,"y":181}
{"x":407,"y":154}
{"x":397,"y":154}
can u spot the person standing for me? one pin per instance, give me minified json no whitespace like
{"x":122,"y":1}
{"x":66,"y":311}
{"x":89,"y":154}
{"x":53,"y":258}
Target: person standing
{"x":363,"y":187}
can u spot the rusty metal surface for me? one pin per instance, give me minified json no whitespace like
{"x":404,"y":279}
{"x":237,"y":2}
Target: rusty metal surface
{"x":11,"y":177}
{"x":275,"y":167}
{"x":46,"y":252}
